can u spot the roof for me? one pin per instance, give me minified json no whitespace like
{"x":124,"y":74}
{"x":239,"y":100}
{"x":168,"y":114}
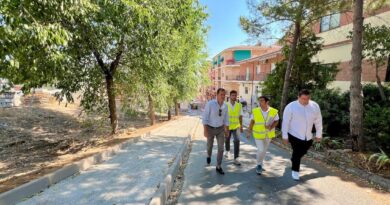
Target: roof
{"x":269,"y":54}
{"x":246,"y":47}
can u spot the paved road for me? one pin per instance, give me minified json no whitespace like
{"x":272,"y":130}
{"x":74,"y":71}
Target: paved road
{"x":240,"y":185}
{"x":130,"y":177}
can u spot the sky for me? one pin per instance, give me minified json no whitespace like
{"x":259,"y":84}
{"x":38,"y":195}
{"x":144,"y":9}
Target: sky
{"x":223,"y":21}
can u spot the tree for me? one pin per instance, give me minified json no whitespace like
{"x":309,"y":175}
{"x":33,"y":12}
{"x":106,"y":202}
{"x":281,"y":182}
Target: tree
{"x":356,"y":106}
{"x":31,"y":39}
{"x":310,"y":75}
{"x":180,"y":45}
{"x":295,"y":16}
{"x":91,"y":46}
{"x":376,"y":49}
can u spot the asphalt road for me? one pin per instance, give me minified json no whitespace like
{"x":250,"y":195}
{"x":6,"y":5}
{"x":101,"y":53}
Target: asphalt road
{"x":319,"y":184}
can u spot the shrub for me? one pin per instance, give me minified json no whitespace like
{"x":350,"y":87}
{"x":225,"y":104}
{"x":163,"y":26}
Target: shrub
{"x":335,"y":111}
{"x":382,"y":159}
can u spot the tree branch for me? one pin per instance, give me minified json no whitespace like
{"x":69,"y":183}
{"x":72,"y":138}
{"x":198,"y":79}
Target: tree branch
{"x":100,"y":62}
{"x":115,"y":63}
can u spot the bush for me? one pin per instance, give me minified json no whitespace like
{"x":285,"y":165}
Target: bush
{"x":382,"y":159}
{"x":377,"y":127}
{"x":376,"y":122}
{"x":376,"y":119}
{"x":335,"y":111}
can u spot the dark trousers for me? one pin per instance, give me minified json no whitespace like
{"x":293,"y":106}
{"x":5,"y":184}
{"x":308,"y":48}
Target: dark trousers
{"x":299,"y":148}
{"x":236,"y":142}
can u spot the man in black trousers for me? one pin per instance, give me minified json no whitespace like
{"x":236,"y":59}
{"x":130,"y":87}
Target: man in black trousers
{"x":298,"y":119}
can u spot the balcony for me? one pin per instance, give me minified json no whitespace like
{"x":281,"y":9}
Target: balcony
{"x":240,"y":77}
{"x":230,"y":61}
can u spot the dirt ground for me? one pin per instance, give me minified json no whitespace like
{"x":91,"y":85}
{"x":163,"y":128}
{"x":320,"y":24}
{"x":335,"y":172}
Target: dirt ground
{"x":39,"y":139}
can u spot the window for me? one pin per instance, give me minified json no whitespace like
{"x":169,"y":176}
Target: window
{"x":258,"y":69}
{"x":246,"y":90}
{"x":330,"y":22}
{"x":247,"y":74}
{"x":273,"y":67}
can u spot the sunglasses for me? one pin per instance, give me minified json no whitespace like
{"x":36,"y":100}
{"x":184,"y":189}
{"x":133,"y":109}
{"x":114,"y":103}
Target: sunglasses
{"x":220,"y":112}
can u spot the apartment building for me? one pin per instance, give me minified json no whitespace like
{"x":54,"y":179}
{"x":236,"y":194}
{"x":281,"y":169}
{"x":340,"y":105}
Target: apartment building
{"x":334,"y":29}
{"x":243,"y":68}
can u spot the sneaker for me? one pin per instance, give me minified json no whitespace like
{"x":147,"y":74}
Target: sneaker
{"x":208,"y":160}
{"x":227,"y":154}
{"x":219,"y":170}
{"x":236,"y":162}
{"x":259,"y":169}
{"x":295,"y":175}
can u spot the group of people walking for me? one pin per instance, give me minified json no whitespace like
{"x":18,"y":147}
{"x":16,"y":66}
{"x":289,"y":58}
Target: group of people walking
{"x":223,"y":121}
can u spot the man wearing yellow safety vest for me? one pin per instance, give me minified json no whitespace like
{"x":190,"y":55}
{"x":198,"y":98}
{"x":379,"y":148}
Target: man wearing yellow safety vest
{"x":264,"y":119}
{"x":235,"y":123}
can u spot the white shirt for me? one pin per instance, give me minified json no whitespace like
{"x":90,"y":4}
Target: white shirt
{"x":233,"y":106}
{"x":211,"y":114}
{"x":298,"y":120}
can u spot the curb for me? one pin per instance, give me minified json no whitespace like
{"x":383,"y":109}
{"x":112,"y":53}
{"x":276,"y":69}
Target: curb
{"x":27,"y":190}
{"x":160,"y":197}
{"x":373,"y":178}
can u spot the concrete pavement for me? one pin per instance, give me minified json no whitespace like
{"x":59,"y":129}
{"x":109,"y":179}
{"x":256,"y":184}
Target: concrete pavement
{"x":130,"y":177}
{"x":240,"y":185}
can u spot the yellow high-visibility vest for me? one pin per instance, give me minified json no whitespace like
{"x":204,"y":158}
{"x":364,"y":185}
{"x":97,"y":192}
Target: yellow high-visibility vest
{"x":259,"y":130}
{"x":234,"y":115}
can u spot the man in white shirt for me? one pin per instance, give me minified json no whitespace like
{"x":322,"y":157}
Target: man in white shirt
{"x":216,"y":125}
{"x":298,"y":119}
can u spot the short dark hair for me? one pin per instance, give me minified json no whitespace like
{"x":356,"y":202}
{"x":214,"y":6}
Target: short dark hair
{"x":220,"y":90}
{"x":233,"y":92}
{"x":264,"y":97}
{"x":304,"y":92}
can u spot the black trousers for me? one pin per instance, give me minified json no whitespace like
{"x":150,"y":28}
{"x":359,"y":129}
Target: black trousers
{"x":236,"y":142}
{"x":299,"y":148}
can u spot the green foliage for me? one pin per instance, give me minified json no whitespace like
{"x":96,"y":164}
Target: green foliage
{"x":328,"y":143}
{"x":376,"y":121}
{"x":382,"y":159}
{"x":267,"y":15}
{"x":372,"y":96}
{"x":335,"y":111}
{"x":145,"y":47}
{"x":376,"y":43}
{"x":306,"y":74}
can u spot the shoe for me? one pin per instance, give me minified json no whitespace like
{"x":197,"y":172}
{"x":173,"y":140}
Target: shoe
{"x":220,"y":170}
{"x":295,"y":175}
{"x":227,"y":153}
{"x":236,"y":162}
{"x":208,"y":160}
{"x":259,"y":169}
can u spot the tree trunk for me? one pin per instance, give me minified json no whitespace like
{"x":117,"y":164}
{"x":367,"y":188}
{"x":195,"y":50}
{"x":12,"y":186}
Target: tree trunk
{"x":152,"y":115}
{"x":111,"y":103}
{"x":356,"y":95}
{"x":169,"y":114}
{"x":293,"y":48}
{"x":387,"y":78}
{"x":378,"y":81}
{"x":176,"y":108}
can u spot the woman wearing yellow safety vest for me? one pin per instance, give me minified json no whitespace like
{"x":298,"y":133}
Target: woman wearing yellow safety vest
{"x":264,"y":119}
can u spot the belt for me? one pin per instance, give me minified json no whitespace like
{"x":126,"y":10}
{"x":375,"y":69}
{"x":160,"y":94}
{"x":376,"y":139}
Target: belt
{"x":215,"y":127}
